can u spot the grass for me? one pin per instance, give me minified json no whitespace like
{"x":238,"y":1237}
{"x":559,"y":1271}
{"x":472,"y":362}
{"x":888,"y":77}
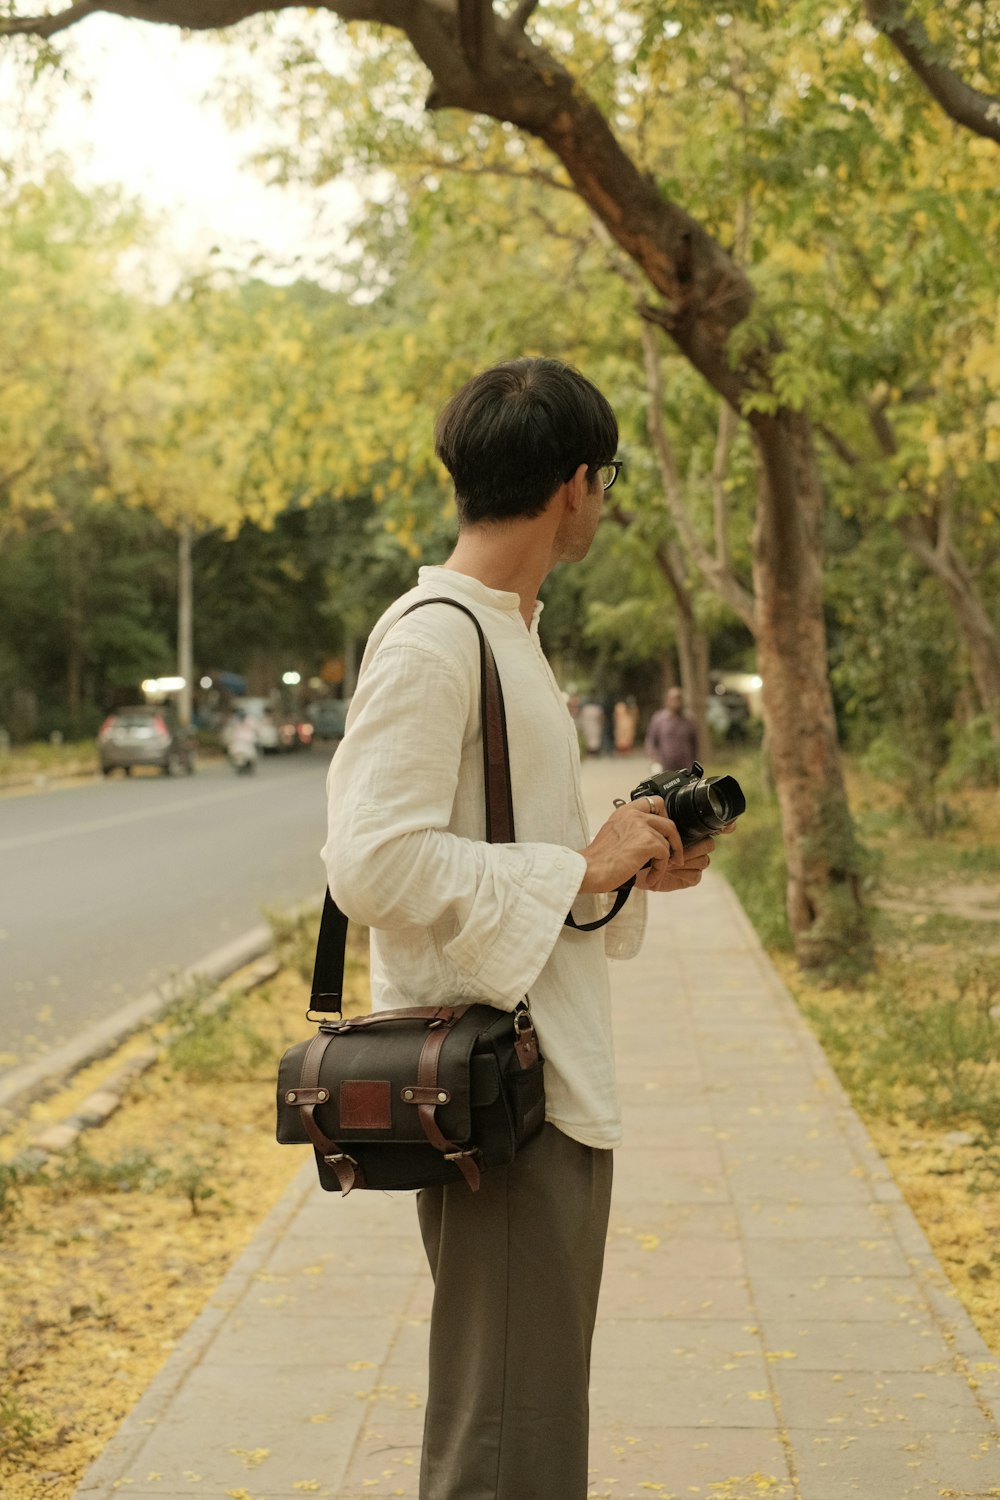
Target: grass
{"x":109,"y":1253}
{"x":754,"y":861}
{"x":42,"y":758}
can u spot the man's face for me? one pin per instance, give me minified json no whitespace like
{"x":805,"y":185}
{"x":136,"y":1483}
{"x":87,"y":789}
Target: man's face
{"x":675,"y":700}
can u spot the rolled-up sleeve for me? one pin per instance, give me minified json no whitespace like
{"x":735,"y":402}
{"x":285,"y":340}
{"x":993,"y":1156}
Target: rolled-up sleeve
{"x":392,"y":860}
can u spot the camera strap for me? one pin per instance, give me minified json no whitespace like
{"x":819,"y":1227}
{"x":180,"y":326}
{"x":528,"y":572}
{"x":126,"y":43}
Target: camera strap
{"x":621,"y":896}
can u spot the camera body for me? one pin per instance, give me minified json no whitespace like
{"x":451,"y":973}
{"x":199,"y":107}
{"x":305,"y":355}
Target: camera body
{"x":699,"y":805}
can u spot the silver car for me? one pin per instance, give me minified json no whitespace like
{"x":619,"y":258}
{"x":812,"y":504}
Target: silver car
{"x":145,"y":736}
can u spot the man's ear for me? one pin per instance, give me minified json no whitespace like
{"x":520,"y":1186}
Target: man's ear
{"x":577,"y":489}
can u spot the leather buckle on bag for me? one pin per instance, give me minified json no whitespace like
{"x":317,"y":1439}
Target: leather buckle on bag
{"x":458,"y":1155}
{"x":341,"y":1156}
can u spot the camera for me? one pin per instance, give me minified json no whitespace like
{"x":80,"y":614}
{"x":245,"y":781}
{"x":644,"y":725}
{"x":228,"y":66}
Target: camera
{"x":699,"y":805}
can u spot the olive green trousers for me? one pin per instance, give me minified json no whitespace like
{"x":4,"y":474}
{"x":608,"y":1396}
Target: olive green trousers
{"x":517,"y":1272}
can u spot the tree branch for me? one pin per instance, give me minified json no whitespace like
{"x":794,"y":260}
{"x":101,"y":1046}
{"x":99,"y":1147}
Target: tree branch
{"x":521,"y":14}
{"x":195,"y":15}
{"x":843,"y":450}
{"x":669,"y":558}
{"x":966,"y":105}
{"x":717,"y":572}
{"x":724,"y":438}
{"x":885,"y":433}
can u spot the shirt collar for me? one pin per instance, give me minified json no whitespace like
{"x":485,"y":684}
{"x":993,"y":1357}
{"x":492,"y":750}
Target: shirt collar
{"x":462,"y":586}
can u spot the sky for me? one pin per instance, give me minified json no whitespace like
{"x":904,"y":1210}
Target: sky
{"x":149,"y":125}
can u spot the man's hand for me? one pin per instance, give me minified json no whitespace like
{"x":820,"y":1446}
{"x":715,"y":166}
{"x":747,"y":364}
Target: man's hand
{"x":637,"y":834}
{"x":679,"y":874}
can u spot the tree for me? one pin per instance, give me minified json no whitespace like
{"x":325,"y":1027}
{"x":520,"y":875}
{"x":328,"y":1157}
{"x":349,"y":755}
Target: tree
{"x":484,"y":63}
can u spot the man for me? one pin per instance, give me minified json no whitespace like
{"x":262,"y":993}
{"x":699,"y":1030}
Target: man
{"x":530,"y":446}
{"x":672,"y":738}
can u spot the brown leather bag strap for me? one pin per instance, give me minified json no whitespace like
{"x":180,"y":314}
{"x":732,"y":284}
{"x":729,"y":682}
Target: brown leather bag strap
{"x":427,"y":1078}
{"x":349,"y":1173}
{"x":496,"y":759}
{"x":326,"y":996}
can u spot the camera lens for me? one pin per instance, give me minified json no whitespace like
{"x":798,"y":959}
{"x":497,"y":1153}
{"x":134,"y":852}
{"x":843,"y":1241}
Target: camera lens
{"x":703,"y":807}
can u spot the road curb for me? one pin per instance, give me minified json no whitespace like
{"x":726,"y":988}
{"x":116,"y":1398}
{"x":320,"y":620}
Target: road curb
{"x":23,"y":1085}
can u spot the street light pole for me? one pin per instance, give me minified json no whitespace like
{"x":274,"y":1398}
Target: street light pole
{"x":185,"y":614}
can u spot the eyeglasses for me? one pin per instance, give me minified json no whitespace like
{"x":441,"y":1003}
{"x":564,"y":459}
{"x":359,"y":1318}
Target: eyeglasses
{"x":609,"y":472}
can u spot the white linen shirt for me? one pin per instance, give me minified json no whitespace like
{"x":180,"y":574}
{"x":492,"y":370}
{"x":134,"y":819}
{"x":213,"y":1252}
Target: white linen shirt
{"x":452,"y":917}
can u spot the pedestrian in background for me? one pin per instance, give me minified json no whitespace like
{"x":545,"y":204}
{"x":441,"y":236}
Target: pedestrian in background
{"x":626,"y":724}
{"x":672,"y":738}
{"x":591,"y":722}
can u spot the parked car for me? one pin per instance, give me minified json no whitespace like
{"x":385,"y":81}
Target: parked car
{"x":328,"y":716}
{"x":146,"y":735}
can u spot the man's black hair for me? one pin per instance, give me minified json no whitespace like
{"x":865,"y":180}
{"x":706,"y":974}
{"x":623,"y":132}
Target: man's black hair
{"x":514,"y":433}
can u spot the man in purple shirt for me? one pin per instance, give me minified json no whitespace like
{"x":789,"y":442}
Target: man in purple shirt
{"x":672,"y":738}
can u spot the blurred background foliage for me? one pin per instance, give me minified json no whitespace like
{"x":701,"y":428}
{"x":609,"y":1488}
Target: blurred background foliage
{"x":290,"y":426}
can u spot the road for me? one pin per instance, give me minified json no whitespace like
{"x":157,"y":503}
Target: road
{"x":109,"y":888}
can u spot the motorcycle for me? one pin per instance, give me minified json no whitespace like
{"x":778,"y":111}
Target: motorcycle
{"x":242,"y":758}
{"x":241,"y":745}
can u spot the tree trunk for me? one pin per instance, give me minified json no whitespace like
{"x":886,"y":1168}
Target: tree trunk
{"x":824,"y":896}
{"x":978,"y":631}
{"x":692,"y":643}
{"x":692,"y":654}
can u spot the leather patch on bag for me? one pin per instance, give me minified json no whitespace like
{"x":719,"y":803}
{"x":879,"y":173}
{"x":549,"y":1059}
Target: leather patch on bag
{"x":366,"y":1104}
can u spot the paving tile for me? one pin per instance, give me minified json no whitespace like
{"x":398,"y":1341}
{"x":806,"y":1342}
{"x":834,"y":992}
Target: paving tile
{"x":809,"y":1221}
{"x":318,"y":1291}
{"x":672,"y":1220}
{"x":867,"y":1256}
{"x":798,"y":1184}
{"x":640,"y":1294}
{"x":409,"y":1347}
{"x":666,"y":1077}
{"x":671,"y":1135}
{"x":351,"y":1219}
{"x":695,"y":1397}
{"x":371,"y":1255}
{"x":860,"y":1299}
{"x":827,"y":1345}
{"x":728,"y":1463}
{"x":226,"y":1430}
{"x":677,"y":1344}
{"x":798,"y":1107}
{"x":860,"y":1400}
{"x":274,"y":1337}
{"x":666,"y":1189}
{"x":643,"y":1164}
{"x":752,"y":1138}
{"x":390,"y":1466}
{"x":647,"y":1253}
{"x":914,"y":1466}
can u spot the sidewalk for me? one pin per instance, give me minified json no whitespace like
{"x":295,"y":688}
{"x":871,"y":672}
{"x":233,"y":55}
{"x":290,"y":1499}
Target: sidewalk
{"x":773,"y":1322}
